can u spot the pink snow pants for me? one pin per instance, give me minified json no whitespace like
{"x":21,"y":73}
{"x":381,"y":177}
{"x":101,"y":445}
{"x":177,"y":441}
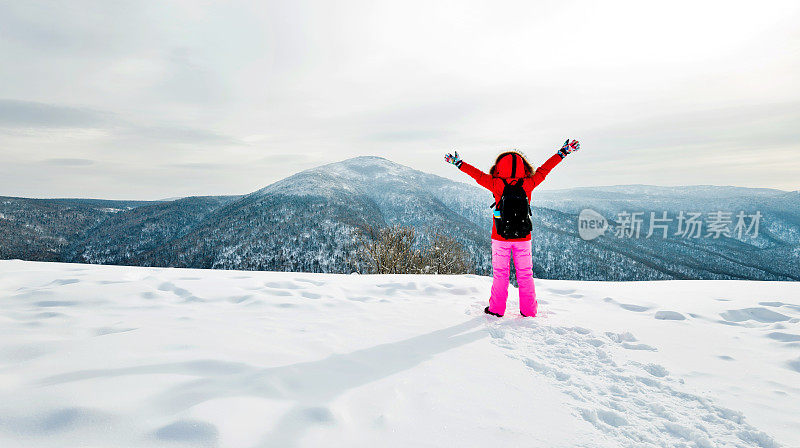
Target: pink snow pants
{"x":501,"y":270}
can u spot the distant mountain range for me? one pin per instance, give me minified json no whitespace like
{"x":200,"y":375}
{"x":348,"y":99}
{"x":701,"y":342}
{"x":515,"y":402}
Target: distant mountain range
{"x":307,"y":222}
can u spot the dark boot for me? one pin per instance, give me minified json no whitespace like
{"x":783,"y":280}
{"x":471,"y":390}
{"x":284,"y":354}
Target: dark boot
{"x":486,"y":310}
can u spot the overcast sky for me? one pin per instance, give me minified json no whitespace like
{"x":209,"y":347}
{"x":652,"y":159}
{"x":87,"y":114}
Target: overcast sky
{"x":154,"y":99}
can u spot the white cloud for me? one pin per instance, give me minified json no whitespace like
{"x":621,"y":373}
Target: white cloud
{"x":225,"y":85}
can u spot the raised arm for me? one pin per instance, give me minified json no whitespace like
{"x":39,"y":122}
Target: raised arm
{"x":544,"y":170}
{"x":483,"y":179}
{"x":555,"y":159}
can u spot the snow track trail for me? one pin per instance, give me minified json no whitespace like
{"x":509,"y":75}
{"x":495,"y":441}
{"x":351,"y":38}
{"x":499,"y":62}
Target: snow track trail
{"x":630,"y":403}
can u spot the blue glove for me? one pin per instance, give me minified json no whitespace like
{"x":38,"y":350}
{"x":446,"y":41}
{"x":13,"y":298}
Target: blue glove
{"x":569,"y":147}
{"x":453,"y":158}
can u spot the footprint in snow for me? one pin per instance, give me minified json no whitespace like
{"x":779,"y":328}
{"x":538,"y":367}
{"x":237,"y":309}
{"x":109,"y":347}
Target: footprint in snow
{"x":757,"y":314}
{"x":625,"y":340}
{"x":188,"y":431}
{"x":669,"y":315}
{"x":781,"y":304}
{"x":282,"y":285}
{"x":632,"y":403}
{"x":563,"y":292}
{"x":784,"y":337}
{"x":628,"y":306}
{"x":64,"y":281}
{"x":309,"y":281}
{"x":634,"y":308}
{"x":794,"y":365}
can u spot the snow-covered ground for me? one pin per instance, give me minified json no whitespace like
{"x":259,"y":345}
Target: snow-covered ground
{"x":131,"y":356}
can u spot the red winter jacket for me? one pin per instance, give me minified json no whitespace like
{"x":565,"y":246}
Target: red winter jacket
{"x":508,"y":165}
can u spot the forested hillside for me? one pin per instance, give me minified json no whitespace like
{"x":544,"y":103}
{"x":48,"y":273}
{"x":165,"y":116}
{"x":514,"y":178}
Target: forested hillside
{"x":309,"y":221}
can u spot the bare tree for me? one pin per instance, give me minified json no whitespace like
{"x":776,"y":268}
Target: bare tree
{"x":393,"y":250}
{"x":389,"y":250}
{"x":445,"y":255}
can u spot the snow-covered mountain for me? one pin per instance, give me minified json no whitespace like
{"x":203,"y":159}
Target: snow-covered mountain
{"x":306,"y":222}
{"x":138,"y":357}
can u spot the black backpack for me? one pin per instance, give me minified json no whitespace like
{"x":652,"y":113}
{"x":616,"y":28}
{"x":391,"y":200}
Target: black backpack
{"x":515,"y":212}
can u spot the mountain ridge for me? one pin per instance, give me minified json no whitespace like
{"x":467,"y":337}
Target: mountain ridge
{"x":308,"y":221}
